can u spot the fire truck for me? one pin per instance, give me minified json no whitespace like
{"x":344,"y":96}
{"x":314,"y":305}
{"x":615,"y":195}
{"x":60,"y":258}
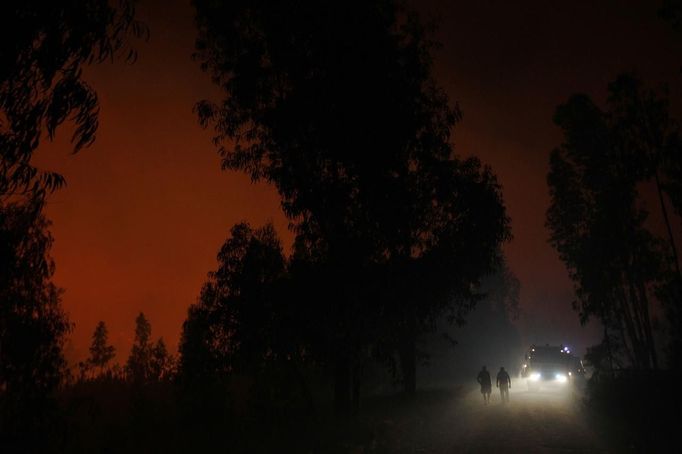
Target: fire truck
{"x":550,"y":366}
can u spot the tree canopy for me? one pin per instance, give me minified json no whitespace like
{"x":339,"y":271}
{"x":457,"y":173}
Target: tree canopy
{"x":33,"y":325}
{"x":138,"y":366}
{"x":354,"y":132}
{"x":100,"y":350}
{"x":597,"y":221}
{"x":43,"y":48}
{"x":238,"y":319}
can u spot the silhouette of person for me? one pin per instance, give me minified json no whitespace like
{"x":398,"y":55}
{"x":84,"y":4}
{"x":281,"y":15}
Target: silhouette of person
{"x":504,"y":383}
{"x":483,"y":379}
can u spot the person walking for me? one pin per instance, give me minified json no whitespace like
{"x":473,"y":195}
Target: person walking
{"x":483,"y":379}
{"x":504,"y":383}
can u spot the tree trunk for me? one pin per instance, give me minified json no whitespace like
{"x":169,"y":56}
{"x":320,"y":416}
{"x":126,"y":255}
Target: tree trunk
{"x":636,"y":306}
{"x":305,"y":389}
{"x":408,"y":357}
{"x":671,"y":238}
{"x":342,"y":386}
{"x":647,"y":326}
{"x":630,"y":330}
{"x":356,"y":389}
{"x":609,"y":352}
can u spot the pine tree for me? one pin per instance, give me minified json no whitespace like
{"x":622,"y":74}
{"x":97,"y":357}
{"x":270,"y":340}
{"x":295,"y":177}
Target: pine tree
{"x":138,"y":367}
{"x":100,"y":352}
{"x":161,"y":361}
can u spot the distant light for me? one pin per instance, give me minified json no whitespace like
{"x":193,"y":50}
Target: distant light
{"x":569,"y":374}
{"x":561,"y":378}
{"x":535,"y":376}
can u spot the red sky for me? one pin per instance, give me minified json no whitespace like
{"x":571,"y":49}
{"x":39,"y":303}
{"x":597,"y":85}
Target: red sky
{"x":147,"y":206}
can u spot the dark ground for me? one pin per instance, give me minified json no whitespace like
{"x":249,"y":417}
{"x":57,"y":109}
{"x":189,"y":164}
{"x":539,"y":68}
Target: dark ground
{"x":114,"y":417}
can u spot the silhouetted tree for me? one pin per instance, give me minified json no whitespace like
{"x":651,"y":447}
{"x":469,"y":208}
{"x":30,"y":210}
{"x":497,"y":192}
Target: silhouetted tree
{"x":456,"y":211}
{"x":138,"y":366}
{"x":503,"y":289}
{"x":488,"y":336}
{"x":162,"y":363}
{"x":100,"y":351}
{"x":651,"y":142}
{"x":672,"y":182}
{"x":353,"y":131}
{"x":33,"y":325}
{"x":234,"y":327}
{"x":597,"y":224}
{"x":497,"y":311}
{"x":252,"y":322}
{"x":43,"y":47}
{"x":649,"y":139}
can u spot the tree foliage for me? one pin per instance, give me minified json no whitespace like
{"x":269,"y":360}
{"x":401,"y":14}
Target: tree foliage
{"x":597,"y":220}
{"x":162,"y":363}
{"x":33,"y":325}
{"x":148,"y":361}
{"x":353,"y":131}
{"x":43,"y":48}
{"x":100,"y":350}
{"x":138,"y":366}
{"x":241,"y":315}
{"x":489,"y":336}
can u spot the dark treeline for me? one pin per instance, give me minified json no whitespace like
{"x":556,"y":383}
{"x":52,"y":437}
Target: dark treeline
{"x":43,"y":47}
{"x":148,"y":361}
{"x":393,"y":231}
{"x":625,"y":267}
{"x":397,"y":238}
{"x":616,"y":205}
{"x":625,"y":272}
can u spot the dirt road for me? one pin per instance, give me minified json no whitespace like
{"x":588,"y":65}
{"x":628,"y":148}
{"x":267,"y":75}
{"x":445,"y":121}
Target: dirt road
{"x":452,"y":422}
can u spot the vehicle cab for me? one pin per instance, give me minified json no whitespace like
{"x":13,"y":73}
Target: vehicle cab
{"x":550,"y":367}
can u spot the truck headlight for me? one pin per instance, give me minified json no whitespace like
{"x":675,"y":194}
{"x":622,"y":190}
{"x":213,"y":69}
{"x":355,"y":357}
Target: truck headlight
{"x":561,"y":378}
{"x":535,"y":376}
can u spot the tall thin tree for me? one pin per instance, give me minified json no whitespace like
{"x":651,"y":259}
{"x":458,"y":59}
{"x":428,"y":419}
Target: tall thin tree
{"x":598,"y":226}
{"x":138,"y":366}
{"x":100,"y":350}
{"x":358,"y":147}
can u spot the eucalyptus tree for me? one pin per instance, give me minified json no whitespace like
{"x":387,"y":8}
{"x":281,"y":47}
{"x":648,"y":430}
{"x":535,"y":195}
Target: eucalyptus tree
{"x":242,"y":319}
{"x":43,"y":49}
{"x":596,"y":218}
{"x":33,"y":325}
{"x":162,"y":363}
{"x":335,"y":105}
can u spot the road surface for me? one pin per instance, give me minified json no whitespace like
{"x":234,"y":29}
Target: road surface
{"x":441,"y":421}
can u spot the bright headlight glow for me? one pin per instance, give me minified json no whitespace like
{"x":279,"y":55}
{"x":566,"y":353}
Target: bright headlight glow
{"x":561,"y":378}
{"x":535,"y":376}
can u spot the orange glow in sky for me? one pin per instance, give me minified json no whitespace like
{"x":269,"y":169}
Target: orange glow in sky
{"x":147,"y":206}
